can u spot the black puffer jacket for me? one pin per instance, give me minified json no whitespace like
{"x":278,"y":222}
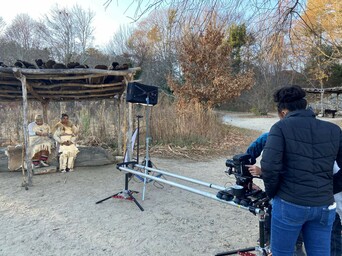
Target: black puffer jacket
{"x":298,"y":158}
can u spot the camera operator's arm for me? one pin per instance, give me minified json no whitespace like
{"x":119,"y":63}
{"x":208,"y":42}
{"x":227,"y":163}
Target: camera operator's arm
{"x":337,"y":179}
{"x":272,"y":161}
{"x":337,"y":170}
{"x":256,"y":147}
{"x":254,"y":170}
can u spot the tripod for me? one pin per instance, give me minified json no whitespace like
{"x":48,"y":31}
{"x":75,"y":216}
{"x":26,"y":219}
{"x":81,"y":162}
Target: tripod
{"x":149,"y":162}
{"x":147,"y":156}
{"x":126,"y":193}
{"x":261,"y":249}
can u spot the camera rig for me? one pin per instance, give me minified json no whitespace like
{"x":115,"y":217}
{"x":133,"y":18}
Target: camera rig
{"x":225,"y":195}
{"x":237,"y":166}
{"x":244,"y":192}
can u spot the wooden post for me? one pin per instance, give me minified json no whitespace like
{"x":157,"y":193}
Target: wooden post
{"x":129,"y":131}
{"x":322,"y":98}
{"x":129,"y":145}
{"x":117,"y":110}
{"x":26,"y":146}
{"x":337,"y":103}
{"x":45,"y":106}
{"x":126,"y":122}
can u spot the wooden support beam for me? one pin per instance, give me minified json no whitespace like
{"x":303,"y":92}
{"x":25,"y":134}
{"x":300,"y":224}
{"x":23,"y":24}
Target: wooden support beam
{"x":33,"y":92}
{"x":27,"y":182}
{"x":52,"y":86}
{"x":45,"y":105}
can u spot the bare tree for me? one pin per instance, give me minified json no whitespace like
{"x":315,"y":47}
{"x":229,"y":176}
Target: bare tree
{"x":59,"y":33}
{"x":2,"y":25}
{"x":195,"y":8}
{"x":153,"y":45}
{"x":67,"y":29}
{"x":22,"y":31}
{"x":21,"y":40}
{"x":83,"y":28}
{"x":118,"y":45}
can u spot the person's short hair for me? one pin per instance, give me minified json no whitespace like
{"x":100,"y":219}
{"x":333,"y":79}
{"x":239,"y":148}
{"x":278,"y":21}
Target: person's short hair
{"x":38,"y":118}
{"x":290,"y":97}
{"x":64,"y":115}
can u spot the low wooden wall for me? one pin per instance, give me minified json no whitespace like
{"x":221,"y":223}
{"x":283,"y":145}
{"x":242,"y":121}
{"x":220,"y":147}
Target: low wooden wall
{"x":11,"y":157}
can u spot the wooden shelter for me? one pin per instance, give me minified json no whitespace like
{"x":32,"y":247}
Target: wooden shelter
{"x":326,"y":91}
{"x":337,"y":90}
{"x":79,"y":84}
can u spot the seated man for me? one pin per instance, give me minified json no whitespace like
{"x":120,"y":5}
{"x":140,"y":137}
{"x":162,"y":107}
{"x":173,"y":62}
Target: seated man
{"x":65,"y":135}
{"x":40,"y":142}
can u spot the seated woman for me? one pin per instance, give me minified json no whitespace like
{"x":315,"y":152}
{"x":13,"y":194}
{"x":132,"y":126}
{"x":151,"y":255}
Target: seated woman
{"x":65,"y":135}
{"x":40,"y":142}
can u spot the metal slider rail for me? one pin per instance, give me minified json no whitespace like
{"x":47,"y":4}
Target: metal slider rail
{"x":203,"y":183}
{"x":187,"y":188}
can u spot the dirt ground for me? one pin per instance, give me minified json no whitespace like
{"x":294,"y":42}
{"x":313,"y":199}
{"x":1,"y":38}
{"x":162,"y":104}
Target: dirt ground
{"x":58,"y":215}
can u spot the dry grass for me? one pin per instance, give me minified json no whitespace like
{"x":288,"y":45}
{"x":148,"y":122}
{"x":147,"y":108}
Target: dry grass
{"x":195,"y":133}
{"x":236,"y":140}
{"x":192,"y":132}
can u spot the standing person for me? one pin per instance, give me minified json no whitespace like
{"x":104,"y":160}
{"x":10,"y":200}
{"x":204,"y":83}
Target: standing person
{"x":65,"y":135}
{"x":336,"y":245}
{"x":297,"y":164}
{"x":254,"y":150}
{"x":40,"y":142}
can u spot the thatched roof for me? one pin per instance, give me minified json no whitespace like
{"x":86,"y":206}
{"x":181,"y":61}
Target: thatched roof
{"x":63,"y":84}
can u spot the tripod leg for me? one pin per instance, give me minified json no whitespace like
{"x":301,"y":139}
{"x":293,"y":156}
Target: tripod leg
{"x":135,"y":201}
{"x":107,"y":198}
{"x":236,"y":251}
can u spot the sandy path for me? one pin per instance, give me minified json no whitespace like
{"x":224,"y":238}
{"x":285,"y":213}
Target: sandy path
{"x":260,"y":123}
{"x":58,"y":215}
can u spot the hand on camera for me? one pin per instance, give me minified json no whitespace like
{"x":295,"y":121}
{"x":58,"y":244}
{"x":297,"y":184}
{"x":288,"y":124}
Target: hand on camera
{"x":254,"y":170}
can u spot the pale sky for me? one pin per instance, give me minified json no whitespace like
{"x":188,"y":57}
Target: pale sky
{"x":106,"y":21}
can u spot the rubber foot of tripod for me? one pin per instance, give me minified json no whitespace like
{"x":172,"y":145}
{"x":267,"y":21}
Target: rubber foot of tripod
{"x":123,"y":197}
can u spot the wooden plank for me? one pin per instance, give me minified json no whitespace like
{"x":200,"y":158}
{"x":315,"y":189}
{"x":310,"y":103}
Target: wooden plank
{"x":45,"y":170}
{"x":52,"y":86}
{"x":79,"y":71}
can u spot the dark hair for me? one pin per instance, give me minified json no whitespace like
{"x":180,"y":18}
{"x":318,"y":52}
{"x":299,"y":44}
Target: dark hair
{"x":290,"y":97}
{"x":64,"y":115}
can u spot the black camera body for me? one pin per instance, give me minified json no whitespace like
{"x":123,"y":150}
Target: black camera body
{"x":242,"y":192}
{"x":237,"y":165}
{"x":244,"y":180}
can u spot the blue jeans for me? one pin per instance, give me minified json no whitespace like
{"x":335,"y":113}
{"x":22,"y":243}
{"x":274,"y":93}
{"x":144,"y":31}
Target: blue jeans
{"x":336,"y":237}
{"x":289,"y":219}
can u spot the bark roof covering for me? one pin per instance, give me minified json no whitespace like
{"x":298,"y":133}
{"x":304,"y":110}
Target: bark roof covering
{"x":63,"y":84}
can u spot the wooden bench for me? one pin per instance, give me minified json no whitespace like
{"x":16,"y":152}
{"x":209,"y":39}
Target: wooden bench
{"x":329,"y":112}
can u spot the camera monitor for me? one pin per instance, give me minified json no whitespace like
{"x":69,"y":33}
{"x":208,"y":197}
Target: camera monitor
{"x":141,"y":93}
